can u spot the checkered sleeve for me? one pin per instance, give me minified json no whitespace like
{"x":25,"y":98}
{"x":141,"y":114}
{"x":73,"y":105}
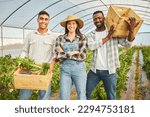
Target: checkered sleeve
{"x":93,"y":43}
{"x":82,"y":49}
{"x":59,"y":55}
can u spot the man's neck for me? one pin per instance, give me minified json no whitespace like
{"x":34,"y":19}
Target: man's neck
{"x":42,"y":31}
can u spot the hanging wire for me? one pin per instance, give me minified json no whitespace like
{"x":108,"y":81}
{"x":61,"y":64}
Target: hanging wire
{"x":5,"y":1}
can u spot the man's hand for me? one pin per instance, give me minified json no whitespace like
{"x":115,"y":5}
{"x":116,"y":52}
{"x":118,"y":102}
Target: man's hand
{"x":110,"y":32}
{"x":52,"y":66}
{"x":50,"y":74}
{"x":51,"y":70}
{"x":36,"y":72}
{"x":132,"y":24}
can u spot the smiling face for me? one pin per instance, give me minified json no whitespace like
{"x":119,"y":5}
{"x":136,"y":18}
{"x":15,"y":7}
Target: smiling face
{"x":98,"y":20}
{"x":43,"y":21}
{"x":72,"y":26}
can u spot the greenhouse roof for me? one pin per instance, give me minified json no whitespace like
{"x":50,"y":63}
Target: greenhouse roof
{"x":23,"y":13}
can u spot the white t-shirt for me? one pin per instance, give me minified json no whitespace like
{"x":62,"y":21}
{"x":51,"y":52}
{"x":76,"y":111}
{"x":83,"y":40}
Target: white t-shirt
{"x":101,"y":60}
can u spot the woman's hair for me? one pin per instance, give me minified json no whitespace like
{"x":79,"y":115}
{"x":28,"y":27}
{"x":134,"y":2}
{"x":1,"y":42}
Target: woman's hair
{"x":77,"y":30}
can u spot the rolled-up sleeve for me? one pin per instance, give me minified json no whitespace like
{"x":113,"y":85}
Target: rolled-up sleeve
{"x":124,"y":42}
{"x":25,"y":50}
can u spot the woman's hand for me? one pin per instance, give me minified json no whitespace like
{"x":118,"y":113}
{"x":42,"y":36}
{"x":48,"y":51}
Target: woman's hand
{"x":59,"y":49}
{"x":73,"y":53}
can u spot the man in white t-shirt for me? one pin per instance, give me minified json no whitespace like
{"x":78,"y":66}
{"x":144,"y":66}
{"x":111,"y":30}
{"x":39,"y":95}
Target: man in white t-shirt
{"x":105,"y":57}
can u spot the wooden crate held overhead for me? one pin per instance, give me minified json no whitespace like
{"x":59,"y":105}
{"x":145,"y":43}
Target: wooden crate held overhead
{"x":117,"y":15}
{"x":31,"y":81}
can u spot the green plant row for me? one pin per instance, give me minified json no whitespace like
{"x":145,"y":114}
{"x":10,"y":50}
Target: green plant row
{"x":125,"y":63}
{"x":8,"y":64}
{"x":146,"y":59}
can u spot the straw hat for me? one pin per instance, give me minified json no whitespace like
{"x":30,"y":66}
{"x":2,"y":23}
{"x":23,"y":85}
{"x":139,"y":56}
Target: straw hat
{"x":72,"y":17}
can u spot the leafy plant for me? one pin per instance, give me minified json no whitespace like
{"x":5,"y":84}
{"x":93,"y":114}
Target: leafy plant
{"x":8,"y":65}
{"x":146,"y":58}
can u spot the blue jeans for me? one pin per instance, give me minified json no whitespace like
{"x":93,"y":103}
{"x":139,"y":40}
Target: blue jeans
{"x":109,"y":81}
{"x":72,"y":72}
{"x":25,"y":94}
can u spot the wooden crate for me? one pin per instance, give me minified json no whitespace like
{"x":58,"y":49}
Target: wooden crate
{"x":117,"y":15}
{"x":31,"y":81}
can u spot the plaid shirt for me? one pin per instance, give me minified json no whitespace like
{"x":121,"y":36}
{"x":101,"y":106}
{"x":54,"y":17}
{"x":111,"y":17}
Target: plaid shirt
{"x":83,"y":44}
{"x":111,"y":50}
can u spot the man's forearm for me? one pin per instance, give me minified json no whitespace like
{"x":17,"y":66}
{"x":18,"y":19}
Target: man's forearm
{"x":131,"y":36}
{"x":52,"y":65}
{"x":105,"y":40}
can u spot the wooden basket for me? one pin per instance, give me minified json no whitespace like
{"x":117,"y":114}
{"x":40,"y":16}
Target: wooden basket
{"x":31,"y":81}
{"x":117,"y":15}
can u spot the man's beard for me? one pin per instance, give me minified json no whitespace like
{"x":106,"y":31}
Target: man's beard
{"x":100,"y":25}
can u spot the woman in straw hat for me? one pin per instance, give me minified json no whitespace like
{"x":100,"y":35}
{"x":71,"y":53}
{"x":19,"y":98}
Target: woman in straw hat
{"x":70,"y":50}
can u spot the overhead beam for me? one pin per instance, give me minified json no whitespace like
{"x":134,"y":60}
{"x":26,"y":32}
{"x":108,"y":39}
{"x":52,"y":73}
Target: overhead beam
{"x":37,"y":13}
{"x":103,"y":6}
{"x":15,"y":11}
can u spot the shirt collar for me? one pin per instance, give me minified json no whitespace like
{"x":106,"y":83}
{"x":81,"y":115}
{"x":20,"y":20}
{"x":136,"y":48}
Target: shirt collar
{"x":46,"y":33}
{"x":66,"y":38}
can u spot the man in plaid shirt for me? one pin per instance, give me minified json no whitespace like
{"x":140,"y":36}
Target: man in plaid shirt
{"x":105,"y":57}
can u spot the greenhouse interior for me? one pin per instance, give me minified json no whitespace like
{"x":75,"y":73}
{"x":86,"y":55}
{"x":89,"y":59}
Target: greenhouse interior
{"x":19,"y":17}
